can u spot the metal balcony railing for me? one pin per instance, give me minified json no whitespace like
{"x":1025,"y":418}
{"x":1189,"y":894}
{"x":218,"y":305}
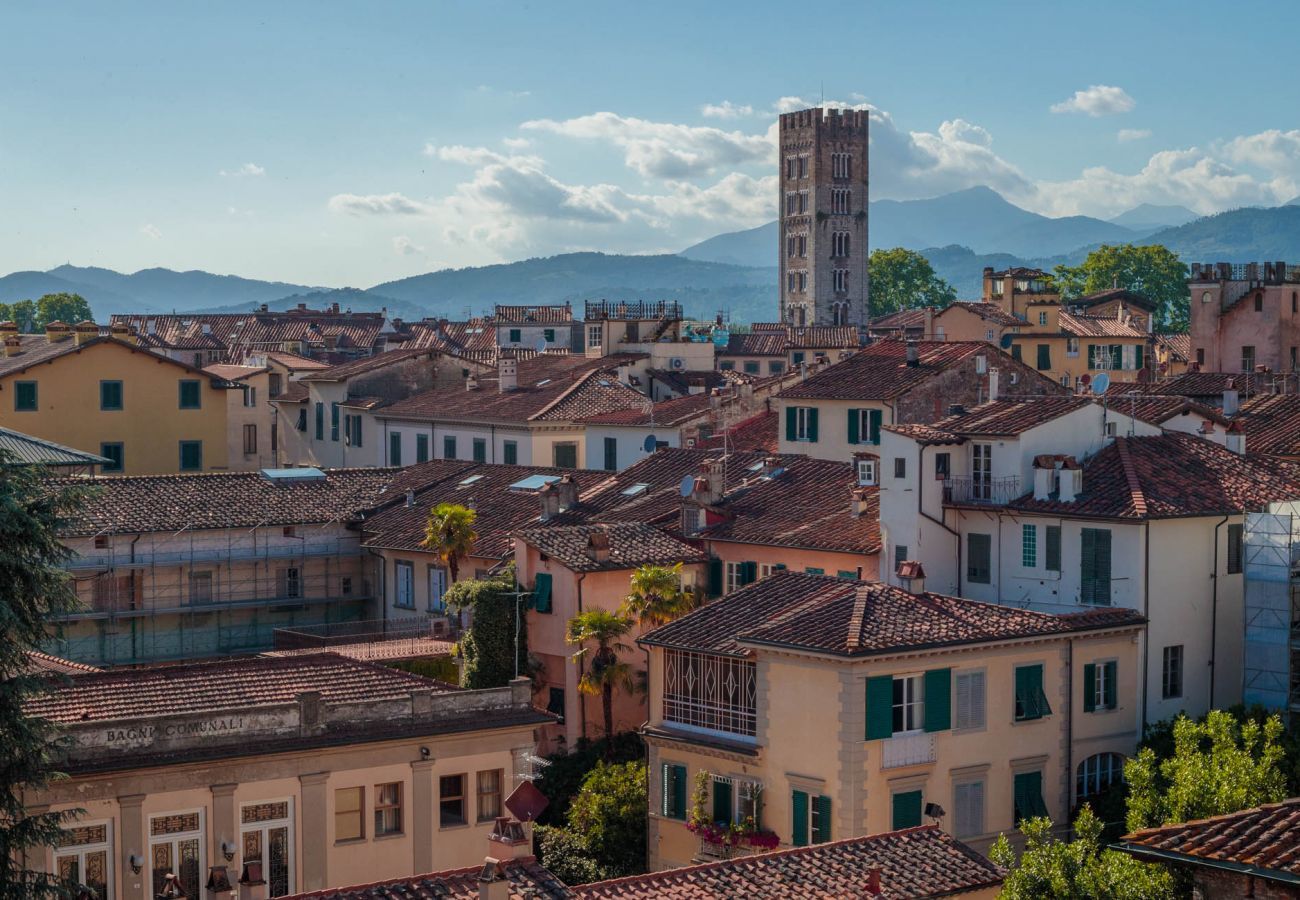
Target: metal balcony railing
{"x":907,"y":750}
{"x":993,"y":491}
{"x":366,"y":631}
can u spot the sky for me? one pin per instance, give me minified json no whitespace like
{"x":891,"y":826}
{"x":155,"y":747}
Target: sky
{"x":347,"y":144}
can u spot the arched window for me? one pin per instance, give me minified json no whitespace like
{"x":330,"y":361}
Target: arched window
{"x":1096,"y":773}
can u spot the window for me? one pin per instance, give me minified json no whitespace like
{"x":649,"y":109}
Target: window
{"x":908,"y":709}
{"x":250,"y":396}
{"x":1099,"y":686}
{"x":611,"y":454}
{"x":715,"y":693}
{"x":265,"y":834}
{"x":448,"y":447}
{"x":489,"y":795}
{"x":1094,"y":567}
{"x":1028,"y":796}
{"x":594,"y":335}
{"x":1247,"y":359}
{"x":866,"y":472}
{"x":776,"y":367}
{"x":751,"y":367}
{"x":841,"y":165}
{"x":275,"y":384}
{"x":404,"y":587}
{"x":1200,"y":356}
{"x":114,"y":454}
{"x":480,"y":450}
{"x":542,"y":592}
{"x":727,"y":365}
{"x":1171,"y":672}
{"x":791,"y":203}
{"x":906,"y":810}
{"x":176,"y":846}
{"x":810,"y":819}
{"x":1042,"y":318}
{"x":352,"y":430}
{"x":981,"y":471}
{"x":1029,"y":546}
{"x":900,"y":467}
{"x":864,"y":426}
{"x":566,"y":456}
{"x":437,"y":588}
{"x":200,"y":587}
{"x":1044,"y":357}
{"x":25,"y":396}
{"x":942,"y":466}
{"x":979,"y":549}
{"x":839,"y":244}
{"x":110,"y":395}
{"x":740,"y":574}
{"x":968,"y":809}
{"x":84,"y":856}
{"x":549,"y":334}
{"x":250,"y":439}
{"x":191,"y":453}
{"x":301,"y":423}
{"x":1031,"y":702}
{"x":334,"y":422}
{"x":840,"y":200}
{"x":516,"y":335}
{"x":421,"y":448}
{"x":673,"y":787}
{"x":451,"y":801}
{"x":1052,"y":548}
{"x":1259,"y":303}
{"x":189,"y":394}
{"x":289,"y":582}
{"x":803,"y":201}
{"x":1072,"y":347}
{"x":900,"y":555}
{"x":395,"y":449}
{"x":349,"y":814}
{"x":803,"y":166}
{"x":970,"y":700}
{"x":510,"y":453}
{"x":388,"y":808}
{"x":791,"y":170}
{"x":1234,"y":549}
{"x":1097,"y":773}
{"x":555,"y":703}
{"x":840,"y":280}
{"x":320,"y":421}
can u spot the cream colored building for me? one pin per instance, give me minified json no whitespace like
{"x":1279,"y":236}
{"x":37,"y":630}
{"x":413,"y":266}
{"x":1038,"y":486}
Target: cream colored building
{"x":277,"y":775}
{"x":250,"y":420}
{"x":825,"y":709}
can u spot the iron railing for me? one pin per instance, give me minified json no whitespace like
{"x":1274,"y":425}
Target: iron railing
{"x":992,"y":491}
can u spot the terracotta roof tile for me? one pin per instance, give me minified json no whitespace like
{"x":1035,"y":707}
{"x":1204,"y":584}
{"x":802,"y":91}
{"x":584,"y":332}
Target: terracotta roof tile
{"x":35,"y":349}
{"x":346,"y":370}
{"x":1080,"y":325}
{"x":1010,"y":416}
{"x":1266,"y":839}
{"x":777,"y":340}
{"x":630,"y":544}
{"x":1178,"y":343}
{"x":757,"y":433}
{"x":926,"y":435}
{"x":1272,"y":423}
{"x":232,"y":372}
{"x":860,"y":618}
{"x":529,"y":315}
{"x":880,"y":371}
{"x":1130,"y":298}
{"x":668,"y":413}
{"x":295,"y":362}
{"x":526,"y":877}
{"x":1158,"y":409}
{"x":257,"y":331}
{"x":44,"y":663}
{"x":989,"y":312}
{"x":1209,"y":386}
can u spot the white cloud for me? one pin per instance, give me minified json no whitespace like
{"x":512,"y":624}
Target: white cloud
{"x":376,"y":204}
{"x":1128,"y":135}
{"x":247,"y":170}
{"x":1273,"y":151}
{"x":516,"y":143}
{"x":726,"y":110}
{"x":1097,"y":100}
{"x":404,"y":246}
{"x":151,"y":232}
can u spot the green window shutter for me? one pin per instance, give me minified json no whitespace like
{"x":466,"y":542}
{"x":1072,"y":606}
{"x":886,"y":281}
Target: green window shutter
{"x":748,"y":572}
{"x":791,"y":424}
{"x":1092,"y":356}
{"x":715,"y":577}
{"x":823,"y":832}
{"x":1015,"y":352}
{"x":1094,"y":566}
{"x":1028,"y":790}
{"x":1109,"y":687}
{"x":542,"y":592}
{"x":722,"y":802}
{"x":320,"y":421}
{"x":1235,"y":534}
{"x":855,"y":418}
{"x":906,"y":810}
{"x":1031,"y":702}
{"x":1052,"y":552}
{"x":510,"y":453}
{"x":674,"y":790}
{"x":395,"y":449}
{"x":190,"y":395}
{"x":666,"y":806}
{"x":1089,"y":688}
{"x":938,"y":699}
{"x":25,"y":396}
{"x":876,"y":416}
{"x":1137,"y":356}
{"x":812,"y":424}
{"x":1044,"y":356}
{"x":799,"y":807}
{"x":880,"y":707}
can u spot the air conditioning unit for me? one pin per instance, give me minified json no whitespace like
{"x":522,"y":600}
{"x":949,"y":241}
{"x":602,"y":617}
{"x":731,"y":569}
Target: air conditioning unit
{"x":678,"y":363}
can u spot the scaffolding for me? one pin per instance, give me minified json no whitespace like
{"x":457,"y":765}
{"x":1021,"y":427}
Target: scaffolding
{"x":1271,"y":667}
{"x":161,"y":596}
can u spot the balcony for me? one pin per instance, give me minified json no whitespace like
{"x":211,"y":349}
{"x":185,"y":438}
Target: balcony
{"x":907,"y":750}
{"x":981,"y":491}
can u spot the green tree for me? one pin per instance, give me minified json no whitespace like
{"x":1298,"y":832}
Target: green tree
{"x":1218,"y":766}
{"x":904,"y":279}
{"x":605,"y":672}
{"x":488,"y":648}
{"x":1153,"y":271}
{"x":34,"y":588}
{"x":606,"y":832}
{"x":450,"y":534}
{"x":657,"y":597}
{"x":562,"y":777}
{"x":22,"y":313}
{"x":1079,"y":869}
{"x":566,"y":855}
{"x":67,"y":308}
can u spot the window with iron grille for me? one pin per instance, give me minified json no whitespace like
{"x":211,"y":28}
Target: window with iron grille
{"x":703,"y":690}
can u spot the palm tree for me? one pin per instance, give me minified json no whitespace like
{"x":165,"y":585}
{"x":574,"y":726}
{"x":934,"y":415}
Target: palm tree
{"x":450,"y":534}
{"x":657,"y":596}
{"x":607,"y":671}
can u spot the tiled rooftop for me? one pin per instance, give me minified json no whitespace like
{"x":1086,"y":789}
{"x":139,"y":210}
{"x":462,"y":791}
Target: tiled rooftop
{"x":1209,"y":386}
{"x":777,"y":340}
{"x":197,"y":687}
{"x":36,"y":349}
{"x":1272,"y":423}
{"x":258,"y":331}
{"x":346,"y":370}
{"x":631,"y":544}
{"x":532,"y":315}
{"x":1158,"y":409}
{"x":295,"y":362}
{"x":19,"y":448}
{"x":1173,"y":475}
{"x":1178,"y":343}
{"x":1081,"y":325}
{"x":1128,"y":297}
{"x":44,"y":663}
{"x":840,"y":617}
{"x":1263,"y":841}
{"x":926,"y":435}
{"x":668,"y":413}
{"x":880,"y":371}
{"x":1009,"y":417}
{"x":527,"y":879}
{"x":989,"y":312}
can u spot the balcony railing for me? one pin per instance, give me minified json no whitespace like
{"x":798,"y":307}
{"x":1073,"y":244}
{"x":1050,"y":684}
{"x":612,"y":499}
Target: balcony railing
{"x":993,"y":491}
{"x":907,"y":750}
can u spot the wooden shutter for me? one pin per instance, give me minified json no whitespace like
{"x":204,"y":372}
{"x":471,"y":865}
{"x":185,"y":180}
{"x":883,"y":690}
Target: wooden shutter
{"x":1089,"y":688}
{"x":875,"y":416}
{"x":748,"y":572}
{"x":938,"y":699}
{"x":1028,"y":790}
{"x":715,"y":577}
{"x":1031,"y":702}
{"x":1108,"y":687}
{"x":906,"y":810}
{"x":855,"y":418}
{"x":542,"y":592}
{"x":1234,"y":548}
{"x":1137,"y":357}
{"x":1052,"y":550}
{"x":812,"y":424}
{"x":823,"y":832}
{"x":1044,"y":356}
{"x":1092,"y":356}
{"x":799,"y":807}
{"x":880,"y":707}
{"x":791,"y":423}
{"x":970,"y":700}
{"x":969,"y":817}
{"x":674,"y":803}
{"x":722,"y":812}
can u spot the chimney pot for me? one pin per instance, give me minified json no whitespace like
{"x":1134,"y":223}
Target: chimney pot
{"x":410,"y":498}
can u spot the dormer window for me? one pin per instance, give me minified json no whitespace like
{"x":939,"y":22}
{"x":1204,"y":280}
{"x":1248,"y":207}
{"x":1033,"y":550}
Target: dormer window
{"x":866,"y":472}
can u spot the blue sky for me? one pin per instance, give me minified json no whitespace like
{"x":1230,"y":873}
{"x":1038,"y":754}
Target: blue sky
{"x":347,"y":144}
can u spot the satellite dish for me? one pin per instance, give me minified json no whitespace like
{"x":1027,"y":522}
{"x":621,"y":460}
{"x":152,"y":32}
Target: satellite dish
{"x":1100,"y":383}
{"x":688,"y":485}
{"x":540,"y":346}
{"x":1006,"y":342}
{"x":1085,"y":379}
{"x":649,"y":445}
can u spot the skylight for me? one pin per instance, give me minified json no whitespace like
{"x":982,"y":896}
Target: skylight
{"x":292,"y":476}
{"x":543,"y":382}
{"x":466,"y":482}
{"x":636,"y":490}
{"x":534,"y":482}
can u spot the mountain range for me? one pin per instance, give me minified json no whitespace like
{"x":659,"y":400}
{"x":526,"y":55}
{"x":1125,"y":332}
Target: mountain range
{"x":960,"y":232}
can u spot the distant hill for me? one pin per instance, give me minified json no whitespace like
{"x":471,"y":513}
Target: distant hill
{"x":354,"y":299}
{"x":1295,"y":202}
{"x":752,"y":247}
{"x":165,"y":289}
{"x":1150,"y":217}
{"x":30,"y":285}
{"x":1240,"y":235}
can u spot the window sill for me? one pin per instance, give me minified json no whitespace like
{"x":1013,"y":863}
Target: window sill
{"x":1018,"y":722}
{"x":453,"y":827}
{"x":347,"y":842}
{"x":391,"y":836}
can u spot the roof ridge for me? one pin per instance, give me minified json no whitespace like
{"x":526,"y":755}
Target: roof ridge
{"x":860,"y":598}
{"x":1130,"y":476}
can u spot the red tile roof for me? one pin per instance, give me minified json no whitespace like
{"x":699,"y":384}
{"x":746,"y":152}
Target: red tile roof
{"x":1178,"y":343}
{"x":1209,"y":386}
{"x":777,"y":340}
{"x":840,"y":617}
{"x":1272,"y":423}
{"x":1009,"y":417}
{"x":989,"y":312}
{"x":259,"y":331}
{"x":529,"y":315}
{"x":880,"y":371}
{"x":526,"y":877}
{"x":196,"y":687}
{"x":630,"y":544}
{"x":757,"y":433}
{"x":347,"y":370}
{"x":1158,"y":408}
{"x":36,"y":349}
{"x":232,"y":372}
{"x":294,"y":362}
{"x":1172,"y":475}
{"x":914,"y":863}
{"x":669,"y":413}
{"x":44,"y":663}
{"x":1080,"y":325}
{"x":926,"y":435}
{"x":1113,"y":294}
{"x":1263,"y":842}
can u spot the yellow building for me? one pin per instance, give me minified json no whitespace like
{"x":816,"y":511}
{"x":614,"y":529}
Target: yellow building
{"x":102,"y":394}
{"x":823,"y":708}
{"x":1064,"y":345}
{"x":271,"y":776}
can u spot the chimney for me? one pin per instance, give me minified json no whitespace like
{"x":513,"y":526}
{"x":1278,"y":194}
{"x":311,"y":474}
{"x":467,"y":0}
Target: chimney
{"x":873,"y":881}
{"x":598,"y":547}
{"x":1231,"y":399}
{"x":1236,"y":439}
{"x":911,"y":576}
{"x":13,"y":345}
{"x":492,"y":881}
{"x":567,"y":490}
{"x":410,"y":498}
{"x":507,"y":372}
{"x":122,"y":332}
{"x":928,"y":331}
{"x":85,"y":331}
{"x":1069,"y":481}
{"x":56,"y":331}
{"x":471,"y":382}
{"x":1044,"y":477}
{"x":550,"y":498}
{"x":993,"y":384}
{"x":988,"y":283}
{"x":858,"y":503}
{"x":265,"y":307}
{"x":913,"y":354}
{"x":509,"y":839}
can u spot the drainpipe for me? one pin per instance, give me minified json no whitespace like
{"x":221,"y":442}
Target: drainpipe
{"x":1069,"y":722}
{"x":135,"y":635}
{"x":1146,"y":638}
{"x":920,"y":469}
{"x":582,"y":705}
{"x":1214,"y":607}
